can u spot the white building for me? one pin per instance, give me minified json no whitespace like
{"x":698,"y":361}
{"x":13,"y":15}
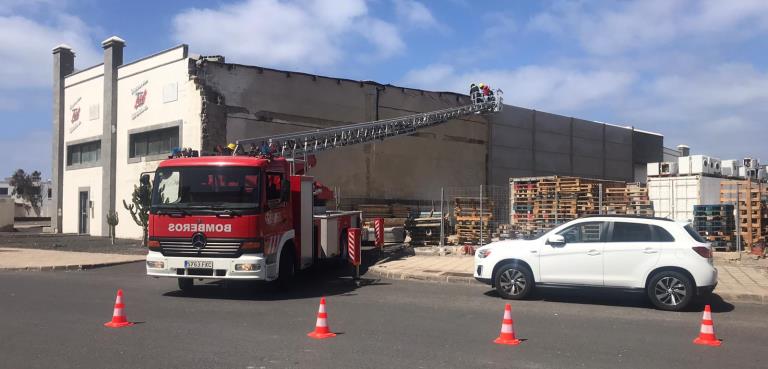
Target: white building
{"x":144,"y":107}
{"x":23,"y":209}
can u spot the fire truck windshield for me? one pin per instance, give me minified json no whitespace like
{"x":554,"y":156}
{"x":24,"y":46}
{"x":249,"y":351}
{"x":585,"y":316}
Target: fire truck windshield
{"x":206,"y":187}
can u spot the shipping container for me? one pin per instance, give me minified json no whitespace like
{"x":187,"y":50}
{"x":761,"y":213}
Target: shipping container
{"x":674,"y":197}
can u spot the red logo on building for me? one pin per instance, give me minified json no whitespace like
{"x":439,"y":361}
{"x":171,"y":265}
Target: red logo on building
{"x":141,"y":97}
{"x":75,"y":114}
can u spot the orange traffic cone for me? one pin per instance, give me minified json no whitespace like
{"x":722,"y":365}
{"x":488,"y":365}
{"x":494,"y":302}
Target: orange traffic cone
{"x":707,"y":331}
{"x":321,"y":327}
{"x":118,"y":316}
{"x":507,"y":336}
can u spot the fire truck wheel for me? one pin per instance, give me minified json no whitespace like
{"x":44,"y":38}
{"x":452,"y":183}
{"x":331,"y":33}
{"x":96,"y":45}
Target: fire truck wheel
{"x":287,"y":267}
{"x":185,"y":284}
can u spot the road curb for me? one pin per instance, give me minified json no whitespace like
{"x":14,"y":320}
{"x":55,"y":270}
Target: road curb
{"x":743,"y":297}
{"x":382,"y":272}
{"x":49,"y":268}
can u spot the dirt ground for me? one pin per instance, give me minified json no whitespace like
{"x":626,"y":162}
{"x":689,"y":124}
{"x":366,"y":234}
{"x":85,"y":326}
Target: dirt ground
{"x":70,"y":242}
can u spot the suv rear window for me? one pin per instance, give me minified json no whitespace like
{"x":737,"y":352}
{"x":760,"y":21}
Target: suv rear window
{"x":695,"y":235}
{"x":631,"y":232}
{"x":661,"y":234}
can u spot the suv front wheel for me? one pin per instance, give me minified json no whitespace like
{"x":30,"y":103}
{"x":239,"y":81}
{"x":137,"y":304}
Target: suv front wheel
{"x":513,"y":281}
{"x":670,"y":290}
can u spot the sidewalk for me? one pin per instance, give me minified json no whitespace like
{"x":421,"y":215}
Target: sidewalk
{"x":736,"y":282}
{"x":34,"y":259}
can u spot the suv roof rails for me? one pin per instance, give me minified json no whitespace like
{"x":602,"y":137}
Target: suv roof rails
{"x":625,"y":216}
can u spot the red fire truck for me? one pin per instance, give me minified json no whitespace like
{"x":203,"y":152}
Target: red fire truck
{"x":257,"y":215}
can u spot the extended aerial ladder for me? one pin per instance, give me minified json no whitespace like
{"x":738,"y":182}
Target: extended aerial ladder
{"x":300,"y":144}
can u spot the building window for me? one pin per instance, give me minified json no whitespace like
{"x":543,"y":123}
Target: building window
{"x":84,"y":153}
{"x":3,"y":191}
{"x":158,"y":142}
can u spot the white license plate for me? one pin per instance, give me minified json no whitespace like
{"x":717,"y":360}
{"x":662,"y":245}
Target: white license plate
{"x":204,"y":264}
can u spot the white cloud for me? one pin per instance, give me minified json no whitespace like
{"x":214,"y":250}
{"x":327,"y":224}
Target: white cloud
{"x":614,"y":28}
{"x":297,"y":33}
{"x":547,"y":88}
{"x":26,"y":44}
{"x":414,"y":14}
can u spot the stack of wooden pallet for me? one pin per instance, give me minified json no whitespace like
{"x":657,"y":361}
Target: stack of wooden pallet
{"x":630,"y":200}
{"x":542,"y":203}
{"x":750,"y":198}
{"x":524,"y":194}
{"x":716,"y":223}
{"x":616,"y":201}
{"x":472,"y":219}
{"x":424,"y":229}
{"x":639,"y":203}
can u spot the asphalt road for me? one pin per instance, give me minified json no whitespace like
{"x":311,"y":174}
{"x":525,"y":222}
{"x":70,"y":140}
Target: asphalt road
{"x":54,"y":319}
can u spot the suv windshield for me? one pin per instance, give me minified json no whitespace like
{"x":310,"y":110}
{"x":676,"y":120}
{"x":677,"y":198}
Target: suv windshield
{"x":189,"y":187}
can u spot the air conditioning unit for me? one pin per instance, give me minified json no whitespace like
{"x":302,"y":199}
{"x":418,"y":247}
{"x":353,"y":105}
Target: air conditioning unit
{"x":668,"y":168}
{"x":730,"y":168}
{"x":653,"y":169}
{"x":699,"y":164}
{"x":665,"y":168}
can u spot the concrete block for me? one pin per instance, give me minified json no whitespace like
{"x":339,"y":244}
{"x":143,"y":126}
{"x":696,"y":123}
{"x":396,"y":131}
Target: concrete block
{"x":587,"y":147}
{"x":614,"y":151}
{"x":548,"y":122}
{"x":513,"y":116}
{"x":586,"y":129}
{"x":619,"y":170}
{"x":618,"y":135}
{"x":514,"y":158}
{"x":508,"y":136}
{"x":647,"y":147}
{"x":552,"y":142}
{"x":587,"y":167}
{"x":552,"y":163}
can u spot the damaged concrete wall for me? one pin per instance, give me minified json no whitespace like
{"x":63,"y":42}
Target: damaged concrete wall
{"x":261,"y":102}
{"x":246,"y":102}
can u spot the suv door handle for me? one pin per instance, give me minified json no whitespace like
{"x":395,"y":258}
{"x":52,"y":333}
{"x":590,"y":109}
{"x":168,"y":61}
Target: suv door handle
{"x":649,"y":250}
{"x":593,"y":252}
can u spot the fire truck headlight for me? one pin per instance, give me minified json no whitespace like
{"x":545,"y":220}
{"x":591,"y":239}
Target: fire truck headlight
{"x":247,"y":267}
{"x":155,"y":264}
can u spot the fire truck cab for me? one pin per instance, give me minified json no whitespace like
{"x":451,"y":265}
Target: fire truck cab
{"x":240,"y":218}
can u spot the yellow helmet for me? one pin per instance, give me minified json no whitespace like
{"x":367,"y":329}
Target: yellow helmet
{"x":480,"y":85}
{"x":231,"y":146}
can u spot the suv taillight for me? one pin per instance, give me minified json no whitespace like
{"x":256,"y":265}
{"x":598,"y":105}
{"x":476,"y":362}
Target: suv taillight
{"x":704,"y":251}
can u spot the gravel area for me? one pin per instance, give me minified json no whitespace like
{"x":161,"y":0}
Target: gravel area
{"x":71,"y":242}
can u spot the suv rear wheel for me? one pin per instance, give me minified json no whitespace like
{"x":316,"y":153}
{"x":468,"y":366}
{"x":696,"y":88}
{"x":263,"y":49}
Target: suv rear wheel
{"x":513,"y":281}
{"x":670,"y":290}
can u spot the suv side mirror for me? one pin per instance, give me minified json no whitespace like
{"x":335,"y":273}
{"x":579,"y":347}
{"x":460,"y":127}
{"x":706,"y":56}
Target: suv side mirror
{"x":556,"y":240}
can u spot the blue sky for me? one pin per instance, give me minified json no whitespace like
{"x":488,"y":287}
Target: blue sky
{"x":695,"y":71}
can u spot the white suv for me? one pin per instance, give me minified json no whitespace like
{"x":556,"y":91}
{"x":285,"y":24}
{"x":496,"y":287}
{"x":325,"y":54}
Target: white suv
{"x":668,"y":260}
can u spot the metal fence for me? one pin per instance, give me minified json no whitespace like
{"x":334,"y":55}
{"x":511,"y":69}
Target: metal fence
{"x":474,"y":215}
